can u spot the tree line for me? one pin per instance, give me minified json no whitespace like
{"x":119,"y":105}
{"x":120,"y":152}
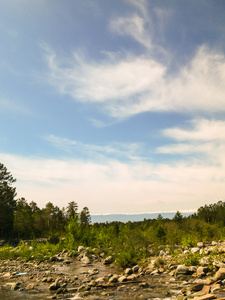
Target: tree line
{"x":22,"y":220}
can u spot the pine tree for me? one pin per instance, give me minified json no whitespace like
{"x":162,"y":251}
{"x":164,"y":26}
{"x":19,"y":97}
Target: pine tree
{"x":7,"y":202}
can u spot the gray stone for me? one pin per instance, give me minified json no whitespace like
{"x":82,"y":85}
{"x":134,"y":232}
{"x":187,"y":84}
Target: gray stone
{"x":194,"y":250}
{"x":135,"y":269}
{"x":108,"y":260}
{"x":85,"y":260}
{"x":80,"y":249}
{"x":128,"y":271}
{"x":220,"y":274}
{"x":182,"y":269}
{"x":53,"y":258}
{"x":200,"y":244}
{"x":114,"y":278}
{"x":122,"y":278}
{"x":13,"y":285}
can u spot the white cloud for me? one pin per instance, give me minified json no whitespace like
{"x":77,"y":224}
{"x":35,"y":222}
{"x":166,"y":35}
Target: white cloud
{"x":137,"y":26}
{"x":127,"y":150}
{"x":133,"y":26}
{"x":111,"y":186}
{"x":202,"y":130}
{"x":205,"y":137}
{"x":129,"y":86}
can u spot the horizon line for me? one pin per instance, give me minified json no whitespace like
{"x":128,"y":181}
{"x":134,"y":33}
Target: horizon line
{"x":142,"y":213}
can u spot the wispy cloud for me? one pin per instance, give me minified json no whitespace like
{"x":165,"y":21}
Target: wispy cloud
{"x":129,"y":86}
{"x":205,"y":137}
{"x":124,"y":150}
{"x":104,"y":185}
{"x":125,"y":84}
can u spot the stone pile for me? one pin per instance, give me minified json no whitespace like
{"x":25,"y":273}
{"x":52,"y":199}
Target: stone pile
{"x":92,"y":276}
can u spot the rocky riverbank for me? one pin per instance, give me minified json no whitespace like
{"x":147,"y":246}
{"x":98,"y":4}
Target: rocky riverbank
{"x":91,"y":276}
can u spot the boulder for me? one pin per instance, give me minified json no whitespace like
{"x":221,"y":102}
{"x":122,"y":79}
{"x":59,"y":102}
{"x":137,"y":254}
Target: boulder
{"x":80,"y":249}
{"x":122,"y":278}
{"x":220,"y":274}
{"x":108,"y":260}
{"x":194,"y":250}
{"x":200,"y":244}
{"x":135,"y":269}
{"x":182,"y":269}
{"x":128,"y":271}
{"x":53,"y":258}
{"x":113,"y":278}
{"x":201,"y":271}
{"x":13,"y":285}
{"x":85,"y":260}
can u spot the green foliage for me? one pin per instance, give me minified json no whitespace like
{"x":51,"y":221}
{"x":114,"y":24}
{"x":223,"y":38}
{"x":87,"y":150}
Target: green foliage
{"x":159,"y":263}
{"x":127,"y":258}
{"x":127,"y":242}
{"x":7,"y":202}
{"x":192,"y":259}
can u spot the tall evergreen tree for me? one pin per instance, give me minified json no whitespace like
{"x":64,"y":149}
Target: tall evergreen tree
{"x":7,"y":202}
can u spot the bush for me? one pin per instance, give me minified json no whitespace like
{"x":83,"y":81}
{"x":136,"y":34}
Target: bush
{"x":127,"y":258}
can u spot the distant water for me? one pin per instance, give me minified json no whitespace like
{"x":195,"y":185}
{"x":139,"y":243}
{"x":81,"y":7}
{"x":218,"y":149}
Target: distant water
{"x":132,"y":217}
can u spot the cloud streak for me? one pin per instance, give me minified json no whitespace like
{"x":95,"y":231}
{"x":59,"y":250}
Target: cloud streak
{"x":140,"y":185}
{"x":133,"y":85}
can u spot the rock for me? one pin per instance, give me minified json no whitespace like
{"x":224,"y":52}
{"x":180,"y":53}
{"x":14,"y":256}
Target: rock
{"x":193,"y":269}
{"x":135,"y":269}
{"x":218,"y":264}
{"x":144,"y":285}
{"x":80,"y":249}
{"x":201,"y":271}
{"x":122,"y":278}
{"x":100,"y":280}
{"x":128,"y":271}
{"x":53,"y":258}
{"x":60,"y":291}
{"x":205,"y":261}
{"x":102,"y":254}
{"x":162,"y":253}
{"x":194,"y":250}
{"x":85,"y":260}
{"x":215,"y":287}
{"x":55,"y":285}
{"x":13,"y":285}
{"x":108,"y":260}
{"x":197,"y":287}
{"x":67,"y":262}
{"x":131,"y":277}
{"x":30,"y":287}
{"x":155,"y":272}
{"x":93,"y":272}
{"x":182,"y":269}
{"x":205,"y":297}
{"x":114,"y":278}
{"x":200,"y":244}
{"x":220,"y":274}
{"x":92,"y":283}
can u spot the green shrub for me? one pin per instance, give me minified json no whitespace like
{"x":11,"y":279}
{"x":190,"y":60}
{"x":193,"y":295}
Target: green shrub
{"x":127,"y":258}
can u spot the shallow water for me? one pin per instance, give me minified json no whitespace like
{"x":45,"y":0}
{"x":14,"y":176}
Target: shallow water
{"x":20,"y":295}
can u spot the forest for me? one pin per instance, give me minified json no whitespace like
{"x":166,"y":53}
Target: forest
{"x":67,"y":228}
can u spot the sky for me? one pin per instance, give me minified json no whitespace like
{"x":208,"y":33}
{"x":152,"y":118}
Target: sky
{"x":116,"y":105}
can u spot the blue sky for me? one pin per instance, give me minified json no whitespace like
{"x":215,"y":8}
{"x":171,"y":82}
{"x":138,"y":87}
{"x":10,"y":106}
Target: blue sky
{"x":116,"y":105}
